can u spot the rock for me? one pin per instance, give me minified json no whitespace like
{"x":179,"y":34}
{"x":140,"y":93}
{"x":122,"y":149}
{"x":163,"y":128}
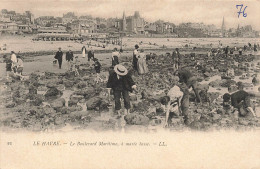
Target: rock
{"x":215,"y":83}
{"x":16,"y":94}
{"x":221,"y":111}
{"x":75,"y":108}
{"x":159,"y":111}
{"x":243,"y":121}
{"x":213,"y":96}
{"x":68,"y":83}
{"x":144,"y":95}
{"x":52,"y":93}
{"x":151,"y":115}
{"x":87,"y":93}
{"x":133,"y":97}
{"x":216,"y":117}
{"x":93,"y":103}
{"x":19,"y":101}
{"x":59,"y":121}
{"x":32,"y":90}
{"x":65,"y":110}
{"x":37,"y":100}
{"x":136,"y":119}
{"x":78,"y":116}
{"x":81,"y":85}
{"x":255,"y":81}
{"x":103,"y":105}
{"x":48,"y":110}
{"x":203,"y":87}
{"x":71,"y":103}
{"x":176,"y":121}
{"x":155,"y":122}
{"x":58,"y":103}
{"x":76,"y":98}
{"x":10,"y":105}
{"x":196,"y":125}
{"x":232,"y":88}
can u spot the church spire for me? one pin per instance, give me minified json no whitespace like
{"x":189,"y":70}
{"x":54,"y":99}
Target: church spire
{"x":223,"y":28}
{"x":124,"y":15}
{"x":124,"y":22}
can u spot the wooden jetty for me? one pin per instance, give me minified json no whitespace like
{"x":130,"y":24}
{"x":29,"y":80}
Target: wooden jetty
{"x":57,"y":37}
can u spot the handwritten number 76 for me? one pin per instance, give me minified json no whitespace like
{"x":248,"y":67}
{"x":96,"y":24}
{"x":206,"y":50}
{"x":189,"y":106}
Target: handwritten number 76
{"x":240,"y":11}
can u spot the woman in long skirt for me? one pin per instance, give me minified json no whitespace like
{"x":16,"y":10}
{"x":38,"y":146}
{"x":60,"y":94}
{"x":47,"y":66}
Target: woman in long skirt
{"x":141,"y":63}
{"x":84,"y":51}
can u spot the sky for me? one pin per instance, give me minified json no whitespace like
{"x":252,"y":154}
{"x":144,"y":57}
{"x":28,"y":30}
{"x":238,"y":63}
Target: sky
{"x":175,"y":11}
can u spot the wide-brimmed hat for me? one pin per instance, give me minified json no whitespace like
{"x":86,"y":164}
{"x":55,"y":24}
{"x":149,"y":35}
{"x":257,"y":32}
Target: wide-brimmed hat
{"x":120,"y":70}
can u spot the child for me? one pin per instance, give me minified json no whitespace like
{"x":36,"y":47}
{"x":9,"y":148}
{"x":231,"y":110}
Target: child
{"x":19,"y":65}
{"x":8,"y":66}
{"x":74,"y":66}
{"x":97,"y":67}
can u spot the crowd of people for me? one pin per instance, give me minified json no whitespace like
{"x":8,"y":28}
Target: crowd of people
{"x":176,"y":100}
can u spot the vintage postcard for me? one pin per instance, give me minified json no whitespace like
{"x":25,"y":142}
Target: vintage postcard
{"x":129,"y":84}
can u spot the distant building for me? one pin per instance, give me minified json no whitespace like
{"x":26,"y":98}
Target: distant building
{"x":84,"y":26}
{"x":68,"y":17}
{"x":24,"y":29}
{"x":8,"y":28}
{"x":46,"y":21}
{"x":111,"y":22}
{"x":52,"y":30}
{"x":132,"y":24}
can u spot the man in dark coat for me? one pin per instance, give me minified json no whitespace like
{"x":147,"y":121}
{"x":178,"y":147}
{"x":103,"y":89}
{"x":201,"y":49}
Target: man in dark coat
{"x":135,"y":59}
{"x":90,"y":54}
{"x":176,"y":59}
{"x":58,"y":56}
{"x":121,"y":83}
{"x":69,"y":58}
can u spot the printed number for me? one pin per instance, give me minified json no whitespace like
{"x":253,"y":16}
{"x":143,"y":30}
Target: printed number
{"x":240,"y":11}
{"x":9,"y":143}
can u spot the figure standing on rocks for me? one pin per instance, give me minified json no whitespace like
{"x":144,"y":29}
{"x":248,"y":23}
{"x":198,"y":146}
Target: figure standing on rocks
{"x":58,"y":56}
{"x":187,"y":80}
{"x":121,"y":83}
{"x":135,"y":55}
{"x":14,"y":61}
{"x":241,"y":101}
{"x":84,"y":51}
{"x":97,"y":67}
{"x":69,"y":59}
{"x":240,"y":51}
{"x":255,"y":48}
{"x":115,"y":57}
{"x":8,"y":63}
{"x":19,"y":65}
{"x":176,"y":59}
{"x":90,"y":54}
{"x":141,"y":63}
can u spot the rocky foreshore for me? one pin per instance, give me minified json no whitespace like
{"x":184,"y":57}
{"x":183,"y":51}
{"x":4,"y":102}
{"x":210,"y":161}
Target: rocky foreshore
{"x":51,"y":101}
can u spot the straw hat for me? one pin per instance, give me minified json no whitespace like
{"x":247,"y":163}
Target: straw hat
{"x":120,"y":70}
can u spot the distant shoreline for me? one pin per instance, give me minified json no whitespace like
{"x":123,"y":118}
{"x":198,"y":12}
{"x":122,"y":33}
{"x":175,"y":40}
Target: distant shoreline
{"x":159,"y":36}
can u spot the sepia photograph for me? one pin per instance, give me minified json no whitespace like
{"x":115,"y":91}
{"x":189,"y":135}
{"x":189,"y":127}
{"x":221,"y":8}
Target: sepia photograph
{"x":120,"y":68}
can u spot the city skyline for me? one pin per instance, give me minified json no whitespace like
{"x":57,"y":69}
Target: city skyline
{"x":206,"y":12}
